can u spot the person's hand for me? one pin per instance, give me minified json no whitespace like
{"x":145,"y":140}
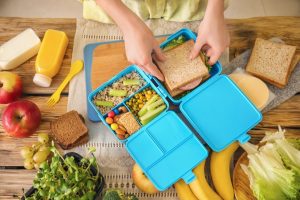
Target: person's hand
{"x":140,"y":43}
{"x":140,"y":46}
{"x":213,"y":38}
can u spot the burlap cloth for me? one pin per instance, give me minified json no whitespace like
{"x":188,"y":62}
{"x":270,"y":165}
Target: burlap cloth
{"x":115,"y":163}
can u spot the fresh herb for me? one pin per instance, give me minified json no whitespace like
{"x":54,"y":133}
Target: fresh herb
{"x":66,"y":179}
{"x":274,"y":168}
{"x":205,"y":59}
{"x":116,"y":194}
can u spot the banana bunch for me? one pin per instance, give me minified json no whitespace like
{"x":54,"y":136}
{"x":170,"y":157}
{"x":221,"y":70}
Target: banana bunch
{"x":199,"y":189}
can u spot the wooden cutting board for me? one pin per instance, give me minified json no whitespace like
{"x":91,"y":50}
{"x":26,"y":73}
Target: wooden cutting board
{"x":108,"y":60}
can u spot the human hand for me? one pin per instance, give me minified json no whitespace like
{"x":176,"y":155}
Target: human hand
{"x":213,"y":38}
{"x":140,"y":43}
{"x":140,"y":46}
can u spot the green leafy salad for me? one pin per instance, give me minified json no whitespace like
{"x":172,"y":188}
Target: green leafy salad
{"x":274,"y":168}
{"x":66,"y":179}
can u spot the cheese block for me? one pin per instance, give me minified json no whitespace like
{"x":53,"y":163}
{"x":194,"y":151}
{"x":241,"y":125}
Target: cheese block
{"x":255,"y":89}
{"x":19,"y":49}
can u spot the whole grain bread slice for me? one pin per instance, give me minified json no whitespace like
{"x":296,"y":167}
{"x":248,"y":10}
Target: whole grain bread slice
{"x":178,"y":69}
{"x":271,"y":62}
{"x":129,"y":122}
{"x":69,"y":130}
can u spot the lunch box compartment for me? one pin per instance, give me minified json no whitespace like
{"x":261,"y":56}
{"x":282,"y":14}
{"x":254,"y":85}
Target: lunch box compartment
{"x":128,"y":70}
{"x":151,"y":86}
{"x":178,"y":164}
{"x":174,"y":132}
{"x":166,"y":148}
{"x":115,"y":79}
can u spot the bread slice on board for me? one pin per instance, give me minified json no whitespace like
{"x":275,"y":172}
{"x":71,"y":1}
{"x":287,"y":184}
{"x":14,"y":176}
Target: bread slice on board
{"x":271,"y":62}
{"x":178,"y":69}
{"x":69,"y":130}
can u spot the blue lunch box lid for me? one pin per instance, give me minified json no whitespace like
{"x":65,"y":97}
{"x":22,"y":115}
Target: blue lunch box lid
{"x":220,"y":112}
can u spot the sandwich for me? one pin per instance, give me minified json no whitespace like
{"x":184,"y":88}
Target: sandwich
{"x":179,"y":71}
{"x":69,"y":130}
{"x":272,"y":62}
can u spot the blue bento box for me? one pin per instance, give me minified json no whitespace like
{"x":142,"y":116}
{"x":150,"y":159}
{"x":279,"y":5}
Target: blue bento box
{"x":166,"y":148}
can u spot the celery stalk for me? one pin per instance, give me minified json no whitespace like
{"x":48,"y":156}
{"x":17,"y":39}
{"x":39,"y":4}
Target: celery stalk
{"x":155,"y":104}
{"x":117,"y":93}
{"x":104,"y":103}
{"x":144,"y":108}
{"x":131,"y":82}
{"x":152,"y":113}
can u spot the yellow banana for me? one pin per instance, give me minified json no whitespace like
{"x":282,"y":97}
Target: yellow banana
{"x":183,"y":191}
{"x":220,"y":171}
{"x":200,"y":187}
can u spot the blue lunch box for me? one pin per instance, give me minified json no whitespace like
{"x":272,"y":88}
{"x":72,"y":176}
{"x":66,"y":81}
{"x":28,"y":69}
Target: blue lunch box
{"x":166,"y":148}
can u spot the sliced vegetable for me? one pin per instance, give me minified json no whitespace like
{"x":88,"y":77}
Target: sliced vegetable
{"x":144,"y":108}
{"x":117,"y":93}
{"x":155,"y":104}
{"x":174,"y":43}
{"x":131,"y":82}
{"x":104,"y":103}
{"x":152,"y":113}
{"x":274,"y":168}
{"x":144,"y":122}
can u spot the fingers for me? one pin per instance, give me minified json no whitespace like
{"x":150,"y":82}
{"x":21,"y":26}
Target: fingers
{"x":215,"y":54}
{"x":158,"y":53}
{"x":144,"y":69}
{"x":209,"y":52}
{"x":197,"y":48}
{"x":153,"y":70}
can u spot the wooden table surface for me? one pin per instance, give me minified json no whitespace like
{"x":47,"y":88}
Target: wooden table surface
{"x":13,"y":177}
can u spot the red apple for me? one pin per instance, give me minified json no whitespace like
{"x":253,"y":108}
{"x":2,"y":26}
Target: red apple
{"x":21,"y":118}
{"x":141,"y":181}
{"x":10,"y":87}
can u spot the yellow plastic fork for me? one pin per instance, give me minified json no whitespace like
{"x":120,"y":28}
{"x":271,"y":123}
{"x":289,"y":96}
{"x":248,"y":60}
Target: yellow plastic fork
{"x":76,"y":67}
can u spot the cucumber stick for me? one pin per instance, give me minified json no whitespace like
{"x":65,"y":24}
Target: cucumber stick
{"x":104,"y":103}
{"x":144,"y":122}
{"x":152,"y":113}
{"x":155,"y":104}
{"x":144,"y":108}
{"x":117,"y":93}
{"x":131,"y":82}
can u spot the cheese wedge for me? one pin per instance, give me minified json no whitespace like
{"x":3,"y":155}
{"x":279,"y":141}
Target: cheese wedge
{"x":19,"y":49}
{"x":255,"y":89}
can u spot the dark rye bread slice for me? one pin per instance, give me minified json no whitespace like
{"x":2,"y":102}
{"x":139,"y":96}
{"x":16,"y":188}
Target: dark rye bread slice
{"x":69,"y":130}
{"x":178,"y":69}
{"x":271,"y":62}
